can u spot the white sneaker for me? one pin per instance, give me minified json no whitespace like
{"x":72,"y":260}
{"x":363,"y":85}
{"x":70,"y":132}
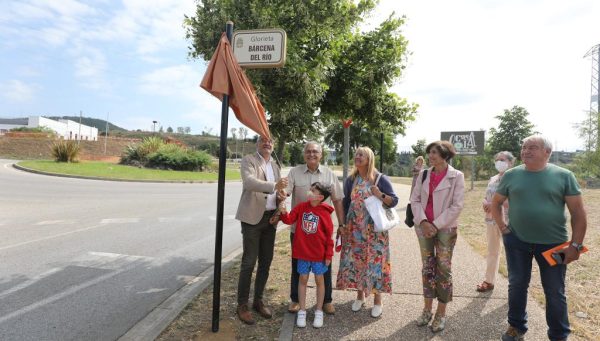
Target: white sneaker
{"x":357,"y":305}
{"x":318,"y":322}
{"x":377,"y":310}
{"x":301,"y":318}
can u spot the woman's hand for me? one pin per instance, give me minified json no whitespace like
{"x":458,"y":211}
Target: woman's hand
{"x":429,"y":230}
{"x":375,"y":191}
{"x":487,"y":208}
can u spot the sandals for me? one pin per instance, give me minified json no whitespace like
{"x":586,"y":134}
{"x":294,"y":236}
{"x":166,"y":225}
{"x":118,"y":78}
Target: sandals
{"x":485,"y":287}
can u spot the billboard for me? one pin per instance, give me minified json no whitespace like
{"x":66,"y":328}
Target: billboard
{"x":466,"y":142}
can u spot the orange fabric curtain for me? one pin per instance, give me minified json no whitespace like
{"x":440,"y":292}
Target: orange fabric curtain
{"x":224,"y":76}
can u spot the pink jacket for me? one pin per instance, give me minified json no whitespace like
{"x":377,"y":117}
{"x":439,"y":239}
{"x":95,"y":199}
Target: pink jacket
{"x":448,"y":199}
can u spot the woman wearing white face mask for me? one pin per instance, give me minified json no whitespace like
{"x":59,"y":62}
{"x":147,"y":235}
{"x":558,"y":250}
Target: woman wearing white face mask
{"x":504,"y":161}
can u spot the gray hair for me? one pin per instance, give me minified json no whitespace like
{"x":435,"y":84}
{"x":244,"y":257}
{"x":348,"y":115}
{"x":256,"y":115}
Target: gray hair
{"x":506,"y":154}
{"x":313,"y":143}
{"x":540,"y":138}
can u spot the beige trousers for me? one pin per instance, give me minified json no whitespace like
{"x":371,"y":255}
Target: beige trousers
{"x":494,"y":244}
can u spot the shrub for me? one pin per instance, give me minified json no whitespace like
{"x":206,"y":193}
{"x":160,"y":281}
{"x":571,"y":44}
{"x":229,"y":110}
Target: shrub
{"x":65,"y":151}
{"x":138,"y":154}
{"x":177,"y":158}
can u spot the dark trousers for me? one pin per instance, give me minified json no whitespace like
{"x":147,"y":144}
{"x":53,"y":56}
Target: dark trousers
{"x":258,"y":243}
{"x":519,"y":256}
{"x":296,"y":278}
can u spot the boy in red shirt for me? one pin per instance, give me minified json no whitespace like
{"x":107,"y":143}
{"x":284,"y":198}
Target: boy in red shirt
{"x":313,"y":246}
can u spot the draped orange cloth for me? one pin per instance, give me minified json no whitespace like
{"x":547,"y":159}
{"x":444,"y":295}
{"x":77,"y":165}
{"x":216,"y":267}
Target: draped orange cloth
{"x":224,"y":76}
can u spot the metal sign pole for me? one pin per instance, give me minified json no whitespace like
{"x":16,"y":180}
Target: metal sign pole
{"x":381,"y":153}
{"x":472,"y":171}
{"x":220,"y":203}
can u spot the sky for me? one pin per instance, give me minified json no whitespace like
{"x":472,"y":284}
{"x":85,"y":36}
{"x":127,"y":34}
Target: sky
{"x":469,"y":61}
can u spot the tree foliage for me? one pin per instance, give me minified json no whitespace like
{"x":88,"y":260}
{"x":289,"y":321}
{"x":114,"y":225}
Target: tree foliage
{"x":291,"y":94}
{"x":361,"y":136}
{"x":513,"y":128}
{"x":366,"y":66}
{"x":419,"y":149}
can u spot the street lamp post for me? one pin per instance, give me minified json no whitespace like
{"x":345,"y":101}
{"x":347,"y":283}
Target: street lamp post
{"x":154,"y":126}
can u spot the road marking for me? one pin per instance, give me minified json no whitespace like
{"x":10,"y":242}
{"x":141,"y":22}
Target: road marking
{"x":120,"y":220}
{"x":175,"y":219}
{"x":29,"y":282}
{"x":63,"y":294}
{"x":152,"y":291}
{"x":225,"y":217}
{"x":55,"y":222}
{"x":50,"y":237}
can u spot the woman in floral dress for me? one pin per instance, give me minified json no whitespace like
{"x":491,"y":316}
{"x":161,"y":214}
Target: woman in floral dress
{"x":365,"y":255}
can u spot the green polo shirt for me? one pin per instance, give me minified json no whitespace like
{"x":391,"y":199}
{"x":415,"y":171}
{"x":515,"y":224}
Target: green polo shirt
{"x":537,"y":202}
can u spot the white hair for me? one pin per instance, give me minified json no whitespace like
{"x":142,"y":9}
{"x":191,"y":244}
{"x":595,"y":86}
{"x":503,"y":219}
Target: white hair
{"x":540,"y":138}
{"x":506,"y":154}
{"x":313,"y":143}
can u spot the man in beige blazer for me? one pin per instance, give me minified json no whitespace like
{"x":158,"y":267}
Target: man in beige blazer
{"x":261,"y":179}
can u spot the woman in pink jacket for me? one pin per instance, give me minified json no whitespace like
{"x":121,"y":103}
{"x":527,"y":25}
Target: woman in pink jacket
{"x":436,"y":204}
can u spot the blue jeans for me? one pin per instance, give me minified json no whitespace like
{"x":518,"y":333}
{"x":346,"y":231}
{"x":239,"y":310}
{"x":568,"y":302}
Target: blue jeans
{"x":519,"y":257}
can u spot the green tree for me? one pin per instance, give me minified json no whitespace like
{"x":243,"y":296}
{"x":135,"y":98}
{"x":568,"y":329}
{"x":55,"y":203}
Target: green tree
{"x":334,"y":137}
{"x":513,"y":128}
{"x":419,"y":148}
{"x":366,"y":65}
{"x":169,"y":130}
{"x":291,"y":95}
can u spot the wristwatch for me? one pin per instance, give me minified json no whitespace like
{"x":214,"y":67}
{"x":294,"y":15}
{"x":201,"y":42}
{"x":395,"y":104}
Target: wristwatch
{"x":577,"y":246}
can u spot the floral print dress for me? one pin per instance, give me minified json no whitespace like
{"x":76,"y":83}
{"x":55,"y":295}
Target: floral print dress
{"x":365,"y":255}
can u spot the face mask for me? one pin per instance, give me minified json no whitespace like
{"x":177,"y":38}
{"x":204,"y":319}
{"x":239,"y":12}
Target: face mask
{"x":501,"y":166}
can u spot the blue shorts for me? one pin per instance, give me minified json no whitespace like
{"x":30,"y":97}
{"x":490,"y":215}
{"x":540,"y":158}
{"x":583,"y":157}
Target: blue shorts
{"x":305,"y":266}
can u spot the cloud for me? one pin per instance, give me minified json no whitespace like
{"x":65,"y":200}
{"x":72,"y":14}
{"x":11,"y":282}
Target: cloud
{"x":17,"y":91}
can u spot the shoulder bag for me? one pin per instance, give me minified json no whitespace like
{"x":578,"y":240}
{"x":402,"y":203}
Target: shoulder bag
{"x":384,"y":218}
{"x":409,"y":220}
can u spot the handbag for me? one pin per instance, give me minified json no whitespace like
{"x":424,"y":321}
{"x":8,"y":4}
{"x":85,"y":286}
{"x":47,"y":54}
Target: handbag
{"x":384,"y":218}
{"x":409,"y":220}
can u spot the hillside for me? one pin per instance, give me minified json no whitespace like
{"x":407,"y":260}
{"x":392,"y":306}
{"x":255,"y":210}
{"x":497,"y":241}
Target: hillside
{"x":27,"y":148}
{"x":92,"y":122}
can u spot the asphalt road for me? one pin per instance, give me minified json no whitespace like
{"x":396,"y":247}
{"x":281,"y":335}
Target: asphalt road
{"x":87,"y":259}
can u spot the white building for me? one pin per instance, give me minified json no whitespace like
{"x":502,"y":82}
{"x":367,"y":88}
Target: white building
{"x":67,"y":129}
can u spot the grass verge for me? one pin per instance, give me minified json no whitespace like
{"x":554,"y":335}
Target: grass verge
{"x":115,"y":171}
{"x":194,"y":322}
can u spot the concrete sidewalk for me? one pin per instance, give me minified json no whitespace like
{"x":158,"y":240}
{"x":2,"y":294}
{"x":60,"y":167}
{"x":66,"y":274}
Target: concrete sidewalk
{"x":470,"y":316}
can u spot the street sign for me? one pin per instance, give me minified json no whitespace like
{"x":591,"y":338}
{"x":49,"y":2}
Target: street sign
{"x":466,"y":142}
{"x":260,"y":48}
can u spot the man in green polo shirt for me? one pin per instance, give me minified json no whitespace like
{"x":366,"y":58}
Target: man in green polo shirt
{"x":538,"y":192}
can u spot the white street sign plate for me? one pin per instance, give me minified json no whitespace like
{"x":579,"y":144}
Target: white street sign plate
{"x":260,"y":48}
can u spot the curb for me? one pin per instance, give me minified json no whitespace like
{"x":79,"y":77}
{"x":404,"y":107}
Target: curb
{"x":287,"y":327}
{"x":35,"y":171}
{"x":151,"y":326}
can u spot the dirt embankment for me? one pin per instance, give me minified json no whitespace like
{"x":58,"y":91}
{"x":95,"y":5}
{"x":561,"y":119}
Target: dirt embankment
{"x":32,"y":148}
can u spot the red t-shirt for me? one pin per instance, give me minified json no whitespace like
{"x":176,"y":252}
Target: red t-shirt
{"x":314,"y":228}
{"x":434,"y":181}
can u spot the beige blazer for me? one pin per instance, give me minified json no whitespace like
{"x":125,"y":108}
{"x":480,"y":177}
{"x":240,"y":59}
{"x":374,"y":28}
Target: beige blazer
{"x":448,"y":199}
{"x":255,"y":189}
